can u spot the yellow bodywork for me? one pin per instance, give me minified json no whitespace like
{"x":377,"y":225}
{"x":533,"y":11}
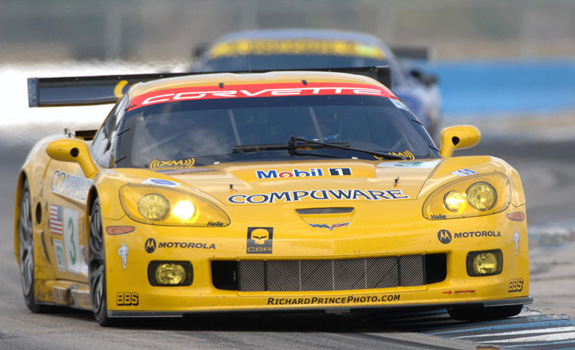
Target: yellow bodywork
{"x":386,"y":208}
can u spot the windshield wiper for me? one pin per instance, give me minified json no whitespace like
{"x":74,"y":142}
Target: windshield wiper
{"x":293,"y":146}
{"x":292,"y":142}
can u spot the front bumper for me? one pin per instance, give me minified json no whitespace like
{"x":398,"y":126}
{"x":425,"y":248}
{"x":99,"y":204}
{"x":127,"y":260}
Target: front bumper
{"x":130,"y":293}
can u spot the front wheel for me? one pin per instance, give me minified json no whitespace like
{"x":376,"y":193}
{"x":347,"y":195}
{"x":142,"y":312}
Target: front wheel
{"x":97,"y":267}
{"x":480,"y":313}
{"x":26,"y":233}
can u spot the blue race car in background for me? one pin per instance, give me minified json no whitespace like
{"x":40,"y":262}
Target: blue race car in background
{"x":288,"y":49}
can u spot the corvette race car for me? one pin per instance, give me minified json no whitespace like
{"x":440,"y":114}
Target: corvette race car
{"x":275,"y":49}
{"x":297,"y":190}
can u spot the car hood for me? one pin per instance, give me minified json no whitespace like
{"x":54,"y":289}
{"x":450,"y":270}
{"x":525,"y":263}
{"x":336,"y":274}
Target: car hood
{"x":309,"y":182}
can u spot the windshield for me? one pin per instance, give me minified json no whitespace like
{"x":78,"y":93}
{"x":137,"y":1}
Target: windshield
{"x":204,"y":132}
{"x":277,"y":62}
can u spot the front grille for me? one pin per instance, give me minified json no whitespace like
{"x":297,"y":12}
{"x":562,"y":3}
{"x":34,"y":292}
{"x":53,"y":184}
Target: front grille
{"x":330,"y":275}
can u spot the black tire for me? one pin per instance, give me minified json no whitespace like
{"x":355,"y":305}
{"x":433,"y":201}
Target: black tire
{"x":480,"y":313}
{"x":97,"y":267}
{"x":26,"y":233}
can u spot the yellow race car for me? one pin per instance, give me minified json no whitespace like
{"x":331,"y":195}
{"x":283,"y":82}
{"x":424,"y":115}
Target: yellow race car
{"x":301,"y":190}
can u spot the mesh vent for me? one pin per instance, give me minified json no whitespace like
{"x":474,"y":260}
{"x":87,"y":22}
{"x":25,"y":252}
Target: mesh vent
{"x":330,"y":275}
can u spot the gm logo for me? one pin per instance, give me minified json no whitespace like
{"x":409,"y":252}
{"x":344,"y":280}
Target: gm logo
{"x":150,"y":245}
{"x":260,"y":240}
{"x":444,"y":236}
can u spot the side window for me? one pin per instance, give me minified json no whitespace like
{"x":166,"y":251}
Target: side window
{"x":103,"y":144}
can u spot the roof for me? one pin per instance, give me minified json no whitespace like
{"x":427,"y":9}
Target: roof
{"x":251,"y":78}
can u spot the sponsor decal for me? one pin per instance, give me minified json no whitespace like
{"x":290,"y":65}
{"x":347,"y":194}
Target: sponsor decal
{"x":123,"y":253}
{"x":72,"y":241}
{"x":515,"y":285}
{"x":438,"y":217}
{"x":255,"y":90}
{"x":340,"y":171}
{"x":464,"y":172}
{"x":60,"y":254}
{"x":312,"y":172}
{"x":408,"y":164}
{"x":350,"y":299}
{"x":156,"y":164}
{"x":330,"y":227}
{"x":260,"y":240}
{"x":160,"y":182}
{"x":516,"y":240}
{"x":70,"y":186}
{"x":296,"y":196}
{"x":127,"y":299}
{"x":274,"y":174}
{"x":151,"y":245}
{"x":445,"y":237}
{"x":55,"y":222}
{"x":215,"y":223}
{"x":84,"y":268}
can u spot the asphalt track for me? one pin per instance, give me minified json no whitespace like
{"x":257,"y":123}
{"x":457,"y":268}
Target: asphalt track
{"x":547,"y":168}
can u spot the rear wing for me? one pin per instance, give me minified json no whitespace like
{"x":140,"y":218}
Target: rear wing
{"x":93,"y":90}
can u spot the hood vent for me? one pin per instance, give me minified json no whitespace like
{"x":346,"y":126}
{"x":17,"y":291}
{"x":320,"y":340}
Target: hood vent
{"x":311,"y":211}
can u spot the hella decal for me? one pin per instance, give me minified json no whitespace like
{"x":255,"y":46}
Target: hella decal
{"x":295,"y":196}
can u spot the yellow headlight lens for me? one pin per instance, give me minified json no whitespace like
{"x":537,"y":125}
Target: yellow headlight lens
{"x":484,"y":263}
{"x":454,"y":201}
{"x":170,"y":274}
{"x":482,"y":196}
{"x":475,"y":195}
{"x":184,"y":210}
{"x":154,"y":206}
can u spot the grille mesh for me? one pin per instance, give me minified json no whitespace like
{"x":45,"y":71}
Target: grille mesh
{"x":330,"y":275}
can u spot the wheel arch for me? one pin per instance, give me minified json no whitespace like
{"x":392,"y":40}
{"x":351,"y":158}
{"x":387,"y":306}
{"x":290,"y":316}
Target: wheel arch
{"x":22,"y":177}
{"x":92,"y":196}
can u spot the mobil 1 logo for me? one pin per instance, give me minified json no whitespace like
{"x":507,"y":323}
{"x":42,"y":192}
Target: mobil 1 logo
{"x":340,"y":171}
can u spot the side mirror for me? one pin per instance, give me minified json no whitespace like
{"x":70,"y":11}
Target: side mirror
{"x":458,"y":137}
{"x":75,"y":151}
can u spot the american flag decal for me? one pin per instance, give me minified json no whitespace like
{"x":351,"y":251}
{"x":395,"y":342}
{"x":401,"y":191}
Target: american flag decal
{"x":56,"y":225}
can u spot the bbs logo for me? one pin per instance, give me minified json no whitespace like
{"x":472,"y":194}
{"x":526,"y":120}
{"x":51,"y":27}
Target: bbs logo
{"x":515,"y":285}
{"x":127,"y":299}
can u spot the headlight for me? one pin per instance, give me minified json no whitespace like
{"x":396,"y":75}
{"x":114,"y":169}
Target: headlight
{"x":153,"y":206}
{"x":482,"y":196}
{"x":471,"y":196}
{"x":168,"y":206}
{"x":485,"y":263}
{"x":170,"y":273}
